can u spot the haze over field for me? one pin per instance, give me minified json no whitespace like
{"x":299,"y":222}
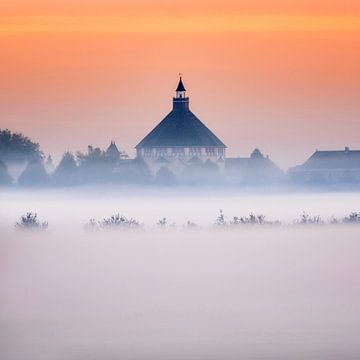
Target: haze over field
{"x":258,"y":292}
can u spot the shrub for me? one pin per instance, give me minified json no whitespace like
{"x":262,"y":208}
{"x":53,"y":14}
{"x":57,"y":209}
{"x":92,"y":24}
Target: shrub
{"x":220,"y":220}
{"x":162,"y":223}
{"x":251,"y":220}
{"x":30,"y":221}
{"x":92,"y":225}
{"x":119,"y":221}
{"x":352,"y":218}
{"x":191,"y":226}
{"x":115,"y":221}
{"x":306,"y":219}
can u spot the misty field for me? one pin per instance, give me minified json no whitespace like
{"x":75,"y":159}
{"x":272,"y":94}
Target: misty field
{"x":275,"y":292}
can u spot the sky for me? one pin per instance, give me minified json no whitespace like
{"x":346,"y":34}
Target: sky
{"x":280,"y":75}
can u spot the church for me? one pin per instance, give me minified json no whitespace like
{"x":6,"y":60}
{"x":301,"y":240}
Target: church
{"x":181,"y":140}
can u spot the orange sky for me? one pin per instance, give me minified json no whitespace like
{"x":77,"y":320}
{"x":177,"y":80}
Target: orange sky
{"x":273,"y":74}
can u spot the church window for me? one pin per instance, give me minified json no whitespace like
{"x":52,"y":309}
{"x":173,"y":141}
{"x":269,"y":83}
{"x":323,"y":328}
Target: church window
{"x":178,"y":152}
{"x":148,"y":152}
{"x":195,"y":151}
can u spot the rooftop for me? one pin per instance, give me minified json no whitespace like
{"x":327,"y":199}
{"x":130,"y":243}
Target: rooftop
{"x":181,"y":128}
{"x":334,"y":159}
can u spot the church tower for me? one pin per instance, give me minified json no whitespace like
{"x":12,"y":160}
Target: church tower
{"x":180,"y":139}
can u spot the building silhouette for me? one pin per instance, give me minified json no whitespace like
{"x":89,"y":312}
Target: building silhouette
{"x":255,"y":169}
{"x":339,"y":166}
{"x":180,"y":140}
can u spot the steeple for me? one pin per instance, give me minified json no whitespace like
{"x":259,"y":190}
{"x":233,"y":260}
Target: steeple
{"x":180,"y":90}
{"x":180,"y":100}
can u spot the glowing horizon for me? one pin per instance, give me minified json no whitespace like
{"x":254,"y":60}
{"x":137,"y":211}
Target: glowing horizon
{"x":276,"y":74}
{"x":208,"y":23}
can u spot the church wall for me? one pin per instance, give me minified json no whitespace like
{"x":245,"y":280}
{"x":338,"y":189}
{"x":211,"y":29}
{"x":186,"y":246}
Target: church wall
{"x":176,"y":158}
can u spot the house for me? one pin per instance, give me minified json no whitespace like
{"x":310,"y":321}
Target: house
{"x":256,"y":169}
{"x":339,"y":166}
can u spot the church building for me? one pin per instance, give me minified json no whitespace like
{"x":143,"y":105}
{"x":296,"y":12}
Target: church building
{"x":181,"y":140}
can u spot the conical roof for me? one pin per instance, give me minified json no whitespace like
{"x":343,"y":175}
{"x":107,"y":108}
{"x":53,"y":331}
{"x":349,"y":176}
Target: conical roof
{"x":181,"y":128}
{"x":112,"y":149}
{"x":180,"y":86}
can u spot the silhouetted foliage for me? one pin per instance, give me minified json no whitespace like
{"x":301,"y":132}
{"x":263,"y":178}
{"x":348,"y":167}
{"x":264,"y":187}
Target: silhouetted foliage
{"x":191,"y":226}
{"x":34,"y":174}
{"x":306,"y":219}
{"x":115,"y":221}
{"x":15,"y":147}
{"x":30,"y":221}
{"x":5,"y":178}
{"x":66,"y":172}
{"x":94,"y":156}
{"x":220,"y":220}
{"x":132,"y":171}
{"x":352,"y":218}
{"x":162,"y":223}
{"x":49,"y":164}
{"x":250,"y":220}
{"x":95,"y":166}
{"x":165,"y":177}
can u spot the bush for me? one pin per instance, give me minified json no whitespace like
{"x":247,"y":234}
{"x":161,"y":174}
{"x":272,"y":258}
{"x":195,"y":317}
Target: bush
{"x":306,"y":219}
{"x":191,"y":226}
{"x":220,"y":220}
{"x":251,"y":220}
{"x":30,"y":221}
{"x":353,"y":218}
{"x":115,"y":221}
{"x":162,"y":223}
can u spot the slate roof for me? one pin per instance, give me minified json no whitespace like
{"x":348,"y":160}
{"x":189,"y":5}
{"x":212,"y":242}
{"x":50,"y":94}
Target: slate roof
{"x":180,"y":128}
{"x":256,"y":161}
{"x":341,"y":159}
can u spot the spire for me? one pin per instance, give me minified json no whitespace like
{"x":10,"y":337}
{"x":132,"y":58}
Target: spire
{"x":180,"y":101}
{"x":180,"y":86}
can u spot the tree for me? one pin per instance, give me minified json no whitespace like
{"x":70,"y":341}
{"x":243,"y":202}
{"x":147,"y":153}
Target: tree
{"x":15,"y":147}
{"x":165,"y":177}
{"x":66,"y":172}
{"x":49,"y":165}
{"x":95,"y":165}
{"x":5,"y":178}
{"x":34,"y":174}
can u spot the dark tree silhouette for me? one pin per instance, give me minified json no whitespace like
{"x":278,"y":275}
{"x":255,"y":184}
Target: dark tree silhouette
{"x":94,"y":156}
{"x":66,"y":172}
{"x":94,"y":166}
{"x":49,"y":165}
{"x":30,"y":221}
{"x":34,"y":174}
{"x":165,"y":177}
{"x":15,"y":147}
{"x":5,"y":178}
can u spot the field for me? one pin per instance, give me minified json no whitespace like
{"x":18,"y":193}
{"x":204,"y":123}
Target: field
{"x":254,"y":292}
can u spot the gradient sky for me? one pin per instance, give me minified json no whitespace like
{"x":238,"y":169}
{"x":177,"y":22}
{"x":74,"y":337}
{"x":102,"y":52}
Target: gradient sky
{"x":281,"y":75}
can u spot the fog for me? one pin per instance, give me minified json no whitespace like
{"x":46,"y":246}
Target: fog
{"x":257,"y":292}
